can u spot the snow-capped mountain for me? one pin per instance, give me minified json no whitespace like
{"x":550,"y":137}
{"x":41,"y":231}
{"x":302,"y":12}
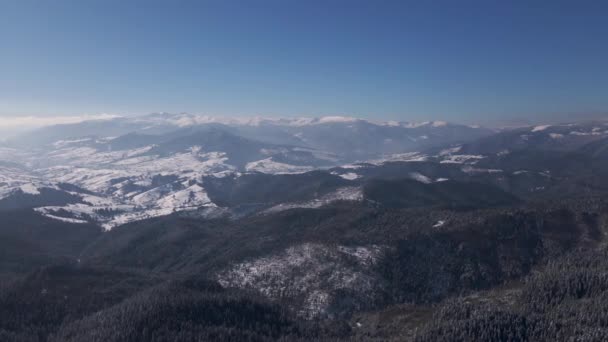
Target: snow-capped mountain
{"x":558,"y":137}
{"x":120,"y":170}
{"x":128,"y":168}
{"x":350,"y":137}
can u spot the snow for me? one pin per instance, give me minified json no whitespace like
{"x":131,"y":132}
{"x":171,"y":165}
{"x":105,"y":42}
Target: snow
{"x":65,"y":219}
{"x":314,"y":273}
{"x":272,"y":167}
{"x":323,"y":155}
{"x":461,"y":159}
{"x":439,"y":223}
{"x":585,"y":133}
{"x":540,"y":128}
{"x":63,"y":143}
{"x":194,"y":196}
{"x":350,"y":176}
{"x":352,"y":166}
{"x":420,"y":177}
{"x":425,"y":123}
{"x":120,"y":213}
{"x":120,"y":186}
{"x":473,"y":170}
{"x":556,"y":135}
{"x":123,"y":183}
{"x":184,"y":120}
{"x":450,"y":151}
{"x":29,"y":189}
{"x":350,"y":193}
{"x":334,"y":119}
{"x":365,"y":255}
{"x":401,"y":157}
{"x":150,"y":197}
{"x":15,"y":178}
{"x":439,"y":124}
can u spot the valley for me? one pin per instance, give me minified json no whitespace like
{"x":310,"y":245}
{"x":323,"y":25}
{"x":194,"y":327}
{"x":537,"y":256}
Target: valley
{"x":466,"y":234}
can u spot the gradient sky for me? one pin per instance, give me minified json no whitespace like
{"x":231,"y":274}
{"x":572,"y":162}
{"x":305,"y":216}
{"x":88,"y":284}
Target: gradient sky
{"x":406,"y":60}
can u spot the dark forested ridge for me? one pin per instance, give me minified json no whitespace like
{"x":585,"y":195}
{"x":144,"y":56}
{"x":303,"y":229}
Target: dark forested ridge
{"x":510,"y":247}
{"x":535,"y":272}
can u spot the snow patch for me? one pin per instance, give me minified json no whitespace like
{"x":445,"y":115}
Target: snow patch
{"x":425,"y":123}
{"x":420,"y":177}
{"x":449,"y":151}
{"x":272,"y":167}
{"x":540,"y":128}
{"x":349,"y":175}
{"x":65,"y":219}
{"x":310,"y":275}
{"x":461,"y":159}
{"x":63,"y":143}
{"x":30,"y":189}
{"x":401,"y":157}
{"x":585,"y":133}
{"x":472,"y":170}
{"x":439,"y":223}
{"x":350,"y":193}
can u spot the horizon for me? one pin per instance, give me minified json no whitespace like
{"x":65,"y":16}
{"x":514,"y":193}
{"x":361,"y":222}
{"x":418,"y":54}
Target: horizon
{"x":15,"y":125}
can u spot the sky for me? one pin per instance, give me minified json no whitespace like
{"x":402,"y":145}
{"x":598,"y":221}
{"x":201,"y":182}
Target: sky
{"x":461,"y":61}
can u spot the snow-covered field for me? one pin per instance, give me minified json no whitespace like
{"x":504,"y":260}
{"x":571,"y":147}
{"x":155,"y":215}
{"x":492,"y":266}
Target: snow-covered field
{"x":116,"y":187}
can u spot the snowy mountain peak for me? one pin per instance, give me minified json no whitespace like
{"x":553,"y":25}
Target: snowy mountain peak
{"x":187,"y":119}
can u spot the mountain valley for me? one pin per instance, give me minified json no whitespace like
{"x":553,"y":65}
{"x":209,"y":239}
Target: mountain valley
{"x":277,"y":229}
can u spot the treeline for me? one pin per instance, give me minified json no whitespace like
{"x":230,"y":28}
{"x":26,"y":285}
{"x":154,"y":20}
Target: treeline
{"x":68,"y":303}
{"x":565,"y":301}
{"x":148,"y":281}
{"x":33,"y":307}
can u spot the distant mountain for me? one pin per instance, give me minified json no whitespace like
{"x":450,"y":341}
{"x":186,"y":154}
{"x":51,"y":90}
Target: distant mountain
{"x":128,"y":169}
{"x":182,"y":228}
{"x":360,"y":139}
{"x":139,"y":167}
{"x":348,"y":137}
{"x":564,"y":137}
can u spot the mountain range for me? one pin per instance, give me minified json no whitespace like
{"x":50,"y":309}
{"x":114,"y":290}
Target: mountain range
{"x":125,"y":169}
{"x":330,"y":228}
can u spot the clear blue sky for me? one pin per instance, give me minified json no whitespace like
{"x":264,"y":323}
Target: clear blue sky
{"x":409,"y":60}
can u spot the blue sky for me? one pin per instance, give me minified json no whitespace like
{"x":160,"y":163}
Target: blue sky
{"x":406,"y":60}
